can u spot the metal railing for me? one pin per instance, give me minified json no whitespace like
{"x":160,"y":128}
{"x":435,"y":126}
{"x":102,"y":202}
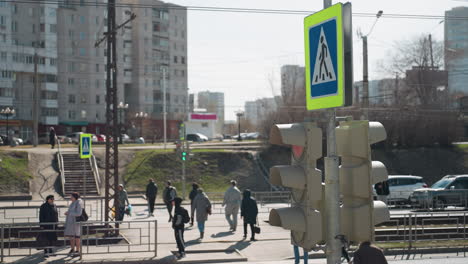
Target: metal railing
{"x":60,"y":164}
{"x":94,"y":168}
{"x":261,"y":197}
{"x":97,"y":237}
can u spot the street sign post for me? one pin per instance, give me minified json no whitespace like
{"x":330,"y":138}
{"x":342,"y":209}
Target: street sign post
{"x":328,"y":54}
{"x":85,"y":146}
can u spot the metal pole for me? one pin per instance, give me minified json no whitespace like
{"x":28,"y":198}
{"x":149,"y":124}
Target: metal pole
{"x":365,"y":79}
{"x":183,"y":180}
{"x":238,"y":127}
{"x":164,"y":107}
{"x":2,"y":242}
{"x":35,"y":103}
{"x":7,"y":130}
{"x":155,"y":238}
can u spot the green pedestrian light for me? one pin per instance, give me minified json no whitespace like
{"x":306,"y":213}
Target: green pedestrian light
{"x":184,"y":155}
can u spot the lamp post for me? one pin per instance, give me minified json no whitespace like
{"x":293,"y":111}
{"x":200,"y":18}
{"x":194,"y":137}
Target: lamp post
{"x":239,"y":114}
{"x":121,"y":107}
{"x":7,"y":112}
{"x":141,"y":116}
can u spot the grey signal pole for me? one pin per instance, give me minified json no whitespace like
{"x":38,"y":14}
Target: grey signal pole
{"x":164,"y":107}
{"x":332,"y":187}
{"x":365,"y":78}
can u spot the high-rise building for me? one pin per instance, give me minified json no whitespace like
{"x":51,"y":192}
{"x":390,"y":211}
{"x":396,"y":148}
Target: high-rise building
{"x":213,"y":102}
{"x":293,"y":85}
{"x":26,"y":31}
{"x":456,"y":50}
{"x":72,"y":71}
{"x":259,"y":110}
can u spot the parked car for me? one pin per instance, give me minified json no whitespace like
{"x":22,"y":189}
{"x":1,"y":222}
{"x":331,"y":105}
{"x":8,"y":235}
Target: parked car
{"x":125,"y":138}
{"x":101,"y":138}
{"x":402,"y":187}
{"x":451,"y":190}
{"x":94,"y":138}
{"x":18,"y":141}
{"x":64,"y":139}
{"x":197,"y":137}
{"x":75,"y":137}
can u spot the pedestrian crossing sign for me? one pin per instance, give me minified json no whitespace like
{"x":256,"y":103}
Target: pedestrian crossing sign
{"x":328,"y":54}
{"x":85,"y":146}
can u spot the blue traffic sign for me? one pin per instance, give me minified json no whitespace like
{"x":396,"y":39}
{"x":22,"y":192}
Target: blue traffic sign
{"x":85,"y":146}
{"x":323,"y":56}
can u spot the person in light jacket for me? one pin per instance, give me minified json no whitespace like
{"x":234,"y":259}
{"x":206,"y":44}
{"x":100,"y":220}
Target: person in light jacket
{"x":202,"y":206}
{"x":249,"y":212}
{"x":72,"y":227}
{"x":48,"y":214}
{"x":232,"y":201}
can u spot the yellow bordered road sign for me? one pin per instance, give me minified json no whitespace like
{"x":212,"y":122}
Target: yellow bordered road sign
{"x":85,"y":146}
{"x":328,"y":54}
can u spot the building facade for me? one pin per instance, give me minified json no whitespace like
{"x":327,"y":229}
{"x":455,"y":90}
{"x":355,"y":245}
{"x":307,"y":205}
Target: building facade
{"x":72,"y":71}
{"x":456,"y":50}
{"x":293,"y":85}
{"x":213,"y":102}
{"x":260,"y":110}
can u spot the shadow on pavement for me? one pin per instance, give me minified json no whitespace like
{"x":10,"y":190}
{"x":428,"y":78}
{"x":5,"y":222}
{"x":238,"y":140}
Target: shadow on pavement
{"x":222,"y":234}
{"x":241,"y":245}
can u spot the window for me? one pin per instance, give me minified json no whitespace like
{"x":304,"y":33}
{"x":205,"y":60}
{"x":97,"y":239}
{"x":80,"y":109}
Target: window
{"x":97,"y":116}
{"x":83,"y":114}
{"x":71,"y":114}
{"x":145,"y":26}
{"x":49,"y":95}
{"x":52,"y":62}
{"x":82,"y":35}
{"x":127,"y":44}
{"x":14,"y":26}
{"x":82,"y":19}
{"x":97,"y":84}
{"x":71,"y":34}
{"x":30,"y":11}
{"x":3,"y":56}
{"x":6,"y":92}
{"x":157,"y":96}
{"x":182,"y":60}
{"x":97,"y":67}
{"x":15,"y":9}
{"x":183,"y":33}
{"x":97,"y":20}
{"x":49,"y":111}
{"x":71,"y":82}
{"x":72,"y":19}
{"x":204,"y":124}
{"x":71,"y":98}
{"x":182,"y":73}
{"x":53,"y":28}
{"x":146,"y":82}
{"x":82,"y":52}
{"x":175,"y":59}
{"x":42,"y":27}
{"x":3,"y":38}
{"x":83,"y":99}
{"x":98,"y":99}
{"x":2,"y":20}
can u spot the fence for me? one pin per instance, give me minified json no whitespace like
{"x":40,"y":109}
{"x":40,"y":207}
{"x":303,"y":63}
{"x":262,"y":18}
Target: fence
{"x":19,"y":240}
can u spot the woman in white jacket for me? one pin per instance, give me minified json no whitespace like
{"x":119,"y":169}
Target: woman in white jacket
{"x":72,"y":227}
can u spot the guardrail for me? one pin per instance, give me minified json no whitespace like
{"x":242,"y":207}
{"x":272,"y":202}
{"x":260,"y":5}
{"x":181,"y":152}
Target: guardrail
{"x":18,"y":240}
{"x":97,"y":179}
{"x":261,"y":197}
{"x":60,"y":164}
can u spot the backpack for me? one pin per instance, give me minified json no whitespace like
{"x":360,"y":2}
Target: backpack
{"x":185,"y":216}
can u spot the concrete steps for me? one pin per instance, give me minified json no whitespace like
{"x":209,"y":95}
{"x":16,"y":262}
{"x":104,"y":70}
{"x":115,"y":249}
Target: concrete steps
{"x":79,"y":176}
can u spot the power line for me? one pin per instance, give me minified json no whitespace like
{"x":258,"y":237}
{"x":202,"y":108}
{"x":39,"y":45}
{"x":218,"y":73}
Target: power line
{"x":234,"y":9}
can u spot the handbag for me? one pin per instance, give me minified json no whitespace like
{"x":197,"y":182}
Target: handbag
{"x":257,"y":228}
{"x":83,"y":217}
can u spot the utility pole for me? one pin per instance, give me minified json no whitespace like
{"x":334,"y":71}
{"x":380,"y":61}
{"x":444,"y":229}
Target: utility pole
{"x":396,"y":89}
{"x":35,"y":103}
{"x":164,"y":107}
{"x":430,"y":48}
{"x":332,"y":186}
{"x":112,"y":122}
{"x":365,"y":78}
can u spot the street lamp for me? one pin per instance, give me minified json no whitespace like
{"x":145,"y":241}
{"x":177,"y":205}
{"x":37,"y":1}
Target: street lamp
{"x":141,"y":116}
{"x":365,"y":77}
{"x":7,"y":112}
{"x":121,"y":107}
{"x":239,"y":114}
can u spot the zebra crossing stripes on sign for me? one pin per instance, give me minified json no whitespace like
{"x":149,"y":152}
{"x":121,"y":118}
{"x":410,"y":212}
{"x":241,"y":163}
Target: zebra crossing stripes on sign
{"x":85,"y":146}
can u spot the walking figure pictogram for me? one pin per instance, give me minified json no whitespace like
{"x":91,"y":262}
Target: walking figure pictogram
{"x":323,"y":70}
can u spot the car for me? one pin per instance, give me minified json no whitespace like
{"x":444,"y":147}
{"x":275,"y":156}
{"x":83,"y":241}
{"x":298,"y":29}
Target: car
{"x":101,"y":138}
{"x":125,"y":138}
{"x":64,"y":139}
{"x":94,"y":138}
{"x":197,"y":137}
{"x":75,"y":137}
{"x":402,"y":186}
{"x":451,"y":190}
{"x":18,"y":141}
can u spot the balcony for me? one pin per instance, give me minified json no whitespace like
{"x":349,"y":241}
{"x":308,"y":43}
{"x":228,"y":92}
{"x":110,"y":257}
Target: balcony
{"x":49,"y":120}
{"x":49,"y":87}
{"x":4,"y":100}
{"x":49,"y":103}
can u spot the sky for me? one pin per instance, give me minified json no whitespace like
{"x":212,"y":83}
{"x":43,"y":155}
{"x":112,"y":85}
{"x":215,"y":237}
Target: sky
{"x":241,"y":54}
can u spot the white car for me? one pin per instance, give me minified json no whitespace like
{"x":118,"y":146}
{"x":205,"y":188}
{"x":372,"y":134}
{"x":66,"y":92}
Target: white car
{"x":402,"y":186}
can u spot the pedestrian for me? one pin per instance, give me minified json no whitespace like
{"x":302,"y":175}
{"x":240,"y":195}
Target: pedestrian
{"x":249,"y":212}
{"x":232,"y":201}
{"x":52,"y":137}
{"x":122,"y":199}
{"x":202,"y":206}
{"x":382,"y":190}
{"x":192,"y":195}
{"x":48,"y":214}
{"x":369,"y":254}
{"x":151,"y":193}
{"x":169,"y":195}
{"x":181,"y":217}
{"x":72,"y":227}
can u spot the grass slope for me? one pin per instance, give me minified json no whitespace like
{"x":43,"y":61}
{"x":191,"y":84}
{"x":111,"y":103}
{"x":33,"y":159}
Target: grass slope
{"x":14,"y":173}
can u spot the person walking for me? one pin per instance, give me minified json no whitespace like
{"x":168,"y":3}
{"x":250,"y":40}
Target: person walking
{"x":52,"y":137}
{"x":169,"y":195}
{"x":249,"y":212}
{"x":369,"y":254}
{"x":151,"y":193}
{"x":232,"y":201}
{"x":122,"y":198}
{"x":181,"y":217}
{"x":202,"y":206}
{"x":48,"y":214}
{"x":72,"y":227}
{"x":192,"y":195}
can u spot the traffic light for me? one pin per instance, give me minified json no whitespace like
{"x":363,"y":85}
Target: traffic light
{"x":358,"y":174}
{"x":184,"y":155}
{"x":304,"y":217}
{"x":182,"y":132}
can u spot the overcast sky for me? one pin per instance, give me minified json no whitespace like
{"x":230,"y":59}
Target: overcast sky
{"x":241,"y":54}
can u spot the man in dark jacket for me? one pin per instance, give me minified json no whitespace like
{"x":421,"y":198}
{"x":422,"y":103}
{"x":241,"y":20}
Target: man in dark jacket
{"x":180,"y":217}
{"x":52,"y":137}
{"x":369,"y":254}
{"x":192,"y":195}
{"x":48,"y":214}
{"x":169,"y":195}
{"x":249,"y":212}
{"x":382,"y":189}
{"x":151,"y":193}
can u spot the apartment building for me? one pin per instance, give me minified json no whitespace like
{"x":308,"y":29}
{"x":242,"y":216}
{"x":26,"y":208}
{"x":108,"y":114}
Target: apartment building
{"x":213,"y":102}
{"x":72,"y":71}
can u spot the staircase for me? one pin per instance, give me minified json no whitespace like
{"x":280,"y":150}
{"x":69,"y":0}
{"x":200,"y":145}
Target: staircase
{"x":79,"y":175}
